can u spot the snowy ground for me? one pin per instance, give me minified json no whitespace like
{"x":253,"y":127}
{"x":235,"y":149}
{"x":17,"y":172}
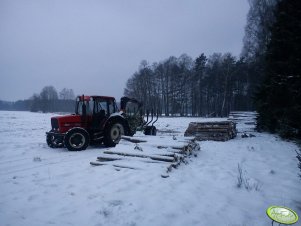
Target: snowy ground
{"x":43,"y":186}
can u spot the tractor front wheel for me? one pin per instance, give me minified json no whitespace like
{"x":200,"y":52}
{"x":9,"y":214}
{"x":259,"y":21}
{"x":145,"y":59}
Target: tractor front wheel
{"x":54,"y":142}
{"x":113,"y":134}
{"x":77,"y":139}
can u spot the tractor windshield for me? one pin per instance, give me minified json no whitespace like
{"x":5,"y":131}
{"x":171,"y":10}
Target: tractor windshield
{"x":91,"y":105}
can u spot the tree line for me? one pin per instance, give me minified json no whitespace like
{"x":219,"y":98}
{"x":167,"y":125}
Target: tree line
{"x":205,"y":86}
{"x":48,"y":100}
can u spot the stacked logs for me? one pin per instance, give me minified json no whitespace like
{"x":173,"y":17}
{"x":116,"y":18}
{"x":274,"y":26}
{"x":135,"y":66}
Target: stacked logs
{"x":216,"y":131}
{"x":170,"y":155}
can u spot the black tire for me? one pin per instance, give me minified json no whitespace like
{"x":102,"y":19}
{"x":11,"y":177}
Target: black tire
{"x":113,"y":134}
{"x":154,"y":131}
{"x":77,"y":139}
{"x":147,"y":130}
{"x":150,"y":130}
{"x":54,"y":142}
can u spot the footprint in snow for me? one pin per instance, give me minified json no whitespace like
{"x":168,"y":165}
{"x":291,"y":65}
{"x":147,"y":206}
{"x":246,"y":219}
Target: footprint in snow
{"x":115,"y":203}
{"x":31,"y":198}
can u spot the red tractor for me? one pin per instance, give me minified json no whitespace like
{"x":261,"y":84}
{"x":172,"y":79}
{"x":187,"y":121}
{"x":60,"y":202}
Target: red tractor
{"x":97,"y":119}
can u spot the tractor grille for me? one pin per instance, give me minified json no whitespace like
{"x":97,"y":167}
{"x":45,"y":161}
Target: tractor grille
{"x":54,"y":123}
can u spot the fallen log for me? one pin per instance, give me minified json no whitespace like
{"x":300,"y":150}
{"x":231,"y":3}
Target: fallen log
{"x":110,"y":157}
{"x":107,"y":158}
{"x":133,"y":140}
{"x":115,"y":165}
{"x":170,"y":158}
{"x":153,"y":157}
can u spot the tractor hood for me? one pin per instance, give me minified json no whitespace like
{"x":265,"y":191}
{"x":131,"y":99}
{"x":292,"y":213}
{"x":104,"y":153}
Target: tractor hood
{"x":64,"y":123}
{"x":68,"y":118}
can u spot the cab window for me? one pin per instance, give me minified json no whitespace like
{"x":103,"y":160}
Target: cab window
{"x":112,"y":107}
{"x":89,"y":107}
{"x":100,"y":106}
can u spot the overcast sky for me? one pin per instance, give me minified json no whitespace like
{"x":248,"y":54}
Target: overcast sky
{"x":94,"y":46}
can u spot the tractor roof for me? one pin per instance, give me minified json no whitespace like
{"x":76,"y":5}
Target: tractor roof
{"x":87,"y":98}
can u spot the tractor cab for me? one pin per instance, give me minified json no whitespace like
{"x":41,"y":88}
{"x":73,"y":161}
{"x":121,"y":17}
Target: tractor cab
{"x":95,"y":110}
{"x":95,"y":105}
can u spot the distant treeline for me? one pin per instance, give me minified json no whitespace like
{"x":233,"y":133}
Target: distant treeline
{"x":205,"y":86}
{"x":49,"y":100}
{"x":20,"y":105}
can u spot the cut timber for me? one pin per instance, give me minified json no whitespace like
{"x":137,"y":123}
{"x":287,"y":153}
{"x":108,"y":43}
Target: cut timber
{"x":153,"y":157}
{"x":217,"y":131}
{"x":133,"y":140}
{"x":115,"y":165}
{"x":109,"y":157}
{"x":167,"y":155}
{"x":245,"y":118}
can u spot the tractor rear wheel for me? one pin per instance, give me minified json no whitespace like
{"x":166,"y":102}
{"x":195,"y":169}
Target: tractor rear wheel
{"x":150,"y":130}
{"x":113,"y":134}
{"x":77,"y":139}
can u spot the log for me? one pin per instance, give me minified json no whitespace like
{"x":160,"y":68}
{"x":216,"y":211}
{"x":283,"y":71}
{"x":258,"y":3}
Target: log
{"x":153,"y":157}
{"x":217,"y":131}
{"x":172,"y":147}
{"x":115,"y":165}
{"x":110,"y":157}
{"x":173,"y":158}
{"x":133,"y":140}
{"x":107,"y":158}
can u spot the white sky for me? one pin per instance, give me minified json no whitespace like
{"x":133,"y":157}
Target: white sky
{"x":94,"y":46}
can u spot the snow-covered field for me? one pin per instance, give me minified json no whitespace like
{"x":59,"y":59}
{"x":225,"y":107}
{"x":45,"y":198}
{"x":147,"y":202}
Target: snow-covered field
{"x":44,"y":186}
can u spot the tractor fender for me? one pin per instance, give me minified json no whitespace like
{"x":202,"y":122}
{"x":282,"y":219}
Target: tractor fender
{"x":76,"y":128}
{"x":116,"y":114}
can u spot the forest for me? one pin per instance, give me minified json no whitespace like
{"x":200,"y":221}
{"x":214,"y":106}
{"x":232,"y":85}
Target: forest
{"x":207,"y":86}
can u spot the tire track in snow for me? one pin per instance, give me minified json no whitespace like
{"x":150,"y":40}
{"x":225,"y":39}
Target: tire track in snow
{"x":15,"y":168}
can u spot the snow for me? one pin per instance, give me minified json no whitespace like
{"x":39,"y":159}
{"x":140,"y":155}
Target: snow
{"x":44,"y":186}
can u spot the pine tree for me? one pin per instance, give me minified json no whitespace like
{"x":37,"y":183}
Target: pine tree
{"x":279,"y":99}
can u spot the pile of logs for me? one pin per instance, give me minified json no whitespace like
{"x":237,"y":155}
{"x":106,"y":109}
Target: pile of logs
{"x":171,"y":155}
{"x":216,"y":131}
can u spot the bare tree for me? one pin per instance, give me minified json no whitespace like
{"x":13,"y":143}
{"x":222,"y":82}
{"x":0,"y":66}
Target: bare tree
{"x":48,"y":98}
{"x":67,"y":94}
{"x":257,"y":31}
